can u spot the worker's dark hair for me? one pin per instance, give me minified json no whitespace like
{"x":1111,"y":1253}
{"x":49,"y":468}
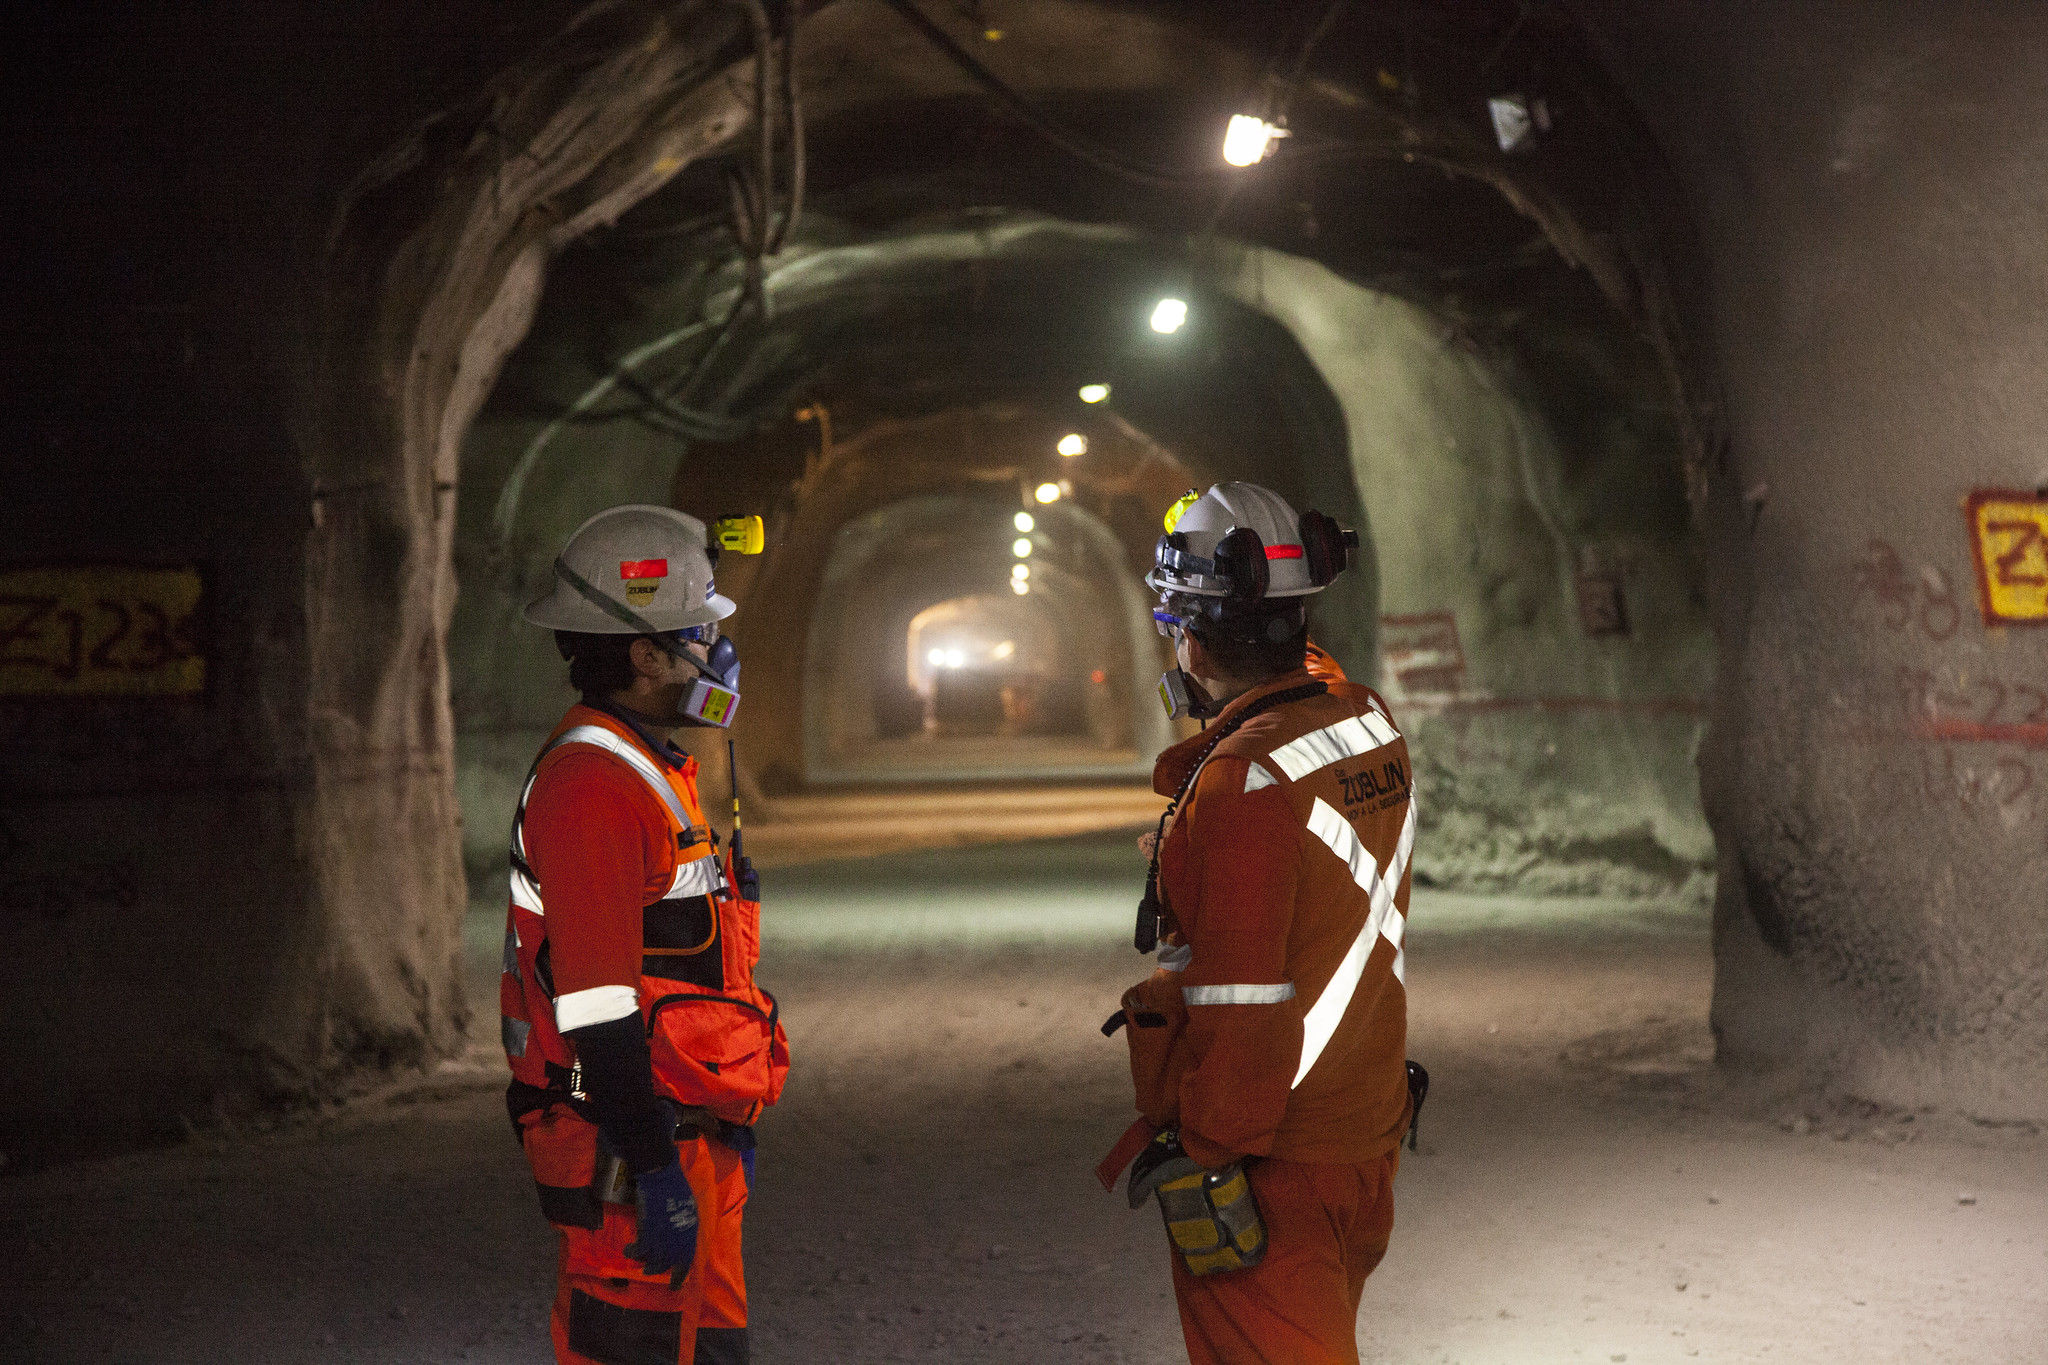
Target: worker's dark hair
{"x":1261,"y":642}
{"x":599,"y":665}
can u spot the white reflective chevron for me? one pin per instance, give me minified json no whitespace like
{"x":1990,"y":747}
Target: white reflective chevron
{"x":639,"y":762}
{"x":1383,"y":920}
{"x":1237,"y":995}
{"x":1348,"y":738}
{"x":1256,"y":777}
{"x":698,"y":877}
{"x":525,"y":894}
{"x":598,"y":1005}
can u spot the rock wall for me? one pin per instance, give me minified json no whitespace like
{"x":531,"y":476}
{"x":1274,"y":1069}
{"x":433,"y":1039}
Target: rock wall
{"x":1867,"y":182}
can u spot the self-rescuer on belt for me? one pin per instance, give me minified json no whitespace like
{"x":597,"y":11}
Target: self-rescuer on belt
{"x":641,"y":1049}
{"x":1267,"y":1048}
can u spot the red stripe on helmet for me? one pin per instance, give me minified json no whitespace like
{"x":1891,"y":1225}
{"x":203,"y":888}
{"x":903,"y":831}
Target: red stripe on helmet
{"x":648,"y":568}
{"x":1283,"y":552}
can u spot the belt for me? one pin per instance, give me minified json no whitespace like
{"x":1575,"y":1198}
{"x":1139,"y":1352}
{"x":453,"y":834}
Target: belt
{"x":613,"y":1180}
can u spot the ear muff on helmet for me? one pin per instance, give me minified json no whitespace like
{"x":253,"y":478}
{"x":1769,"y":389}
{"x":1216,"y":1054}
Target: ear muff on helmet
{"x":1241,"y":564}
{"x":1325,"y":546}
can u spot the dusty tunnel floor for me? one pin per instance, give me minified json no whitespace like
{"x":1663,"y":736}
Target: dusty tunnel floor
{"x":1588,"y":1188}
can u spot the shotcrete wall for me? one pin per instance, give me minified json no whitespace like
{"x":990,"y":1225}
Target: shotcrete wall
{"x":1868,"y":182}
{"x":1549,"y":758}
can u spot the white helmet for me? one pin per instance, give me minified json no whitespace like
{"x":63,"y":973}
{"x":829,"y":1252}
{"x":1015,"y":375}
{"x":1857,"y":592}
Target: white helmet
{"x":633,"y":570}
{"x":1243,"y":543}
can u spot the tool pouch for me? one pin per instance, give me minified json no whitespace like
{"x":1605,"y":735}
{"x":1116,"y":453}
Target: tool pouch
{"x":724,"y":1050}
{"x":561,"y":1147}
{"x":1212,"y":1217}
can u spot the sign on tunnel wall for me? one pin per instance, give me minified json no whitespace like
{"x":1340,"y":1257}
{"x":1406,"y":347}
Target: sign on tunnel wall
{"x":100,"y":630}
{"x":2009,"y":546}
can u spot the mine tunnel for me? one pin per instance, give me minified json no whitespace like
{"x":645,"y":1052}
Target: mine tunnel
{"x":1672,"y":364}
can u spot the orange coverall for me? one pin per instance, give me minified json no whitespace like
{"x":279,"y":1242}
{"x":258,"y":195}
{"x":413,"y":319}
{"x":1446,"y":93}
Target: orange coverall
{"x":603,"y":847}
{"x":1285,"y":879}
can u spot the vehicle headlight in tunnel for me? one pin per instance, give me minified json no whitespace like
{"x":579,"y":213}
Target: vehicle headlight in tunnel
{"x":1023,"y":521}
{"x":1048,"y":492}
{"x":936,"y":658}
{"x":1169,"y":315}
{"x":1073,"y":443}
{"x":1094,"y":393}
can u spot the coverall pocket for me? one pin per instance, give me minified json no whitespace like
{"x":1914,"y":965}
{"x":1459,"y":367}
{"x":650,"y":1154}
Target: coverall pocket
{"x":1156,"y":1058}
{"x":562,"y":1150}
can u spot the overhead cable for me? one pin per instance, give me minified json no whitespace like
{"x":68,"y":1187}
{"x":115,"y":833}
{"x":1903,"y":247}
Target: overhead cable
{"x":1066,"y":139}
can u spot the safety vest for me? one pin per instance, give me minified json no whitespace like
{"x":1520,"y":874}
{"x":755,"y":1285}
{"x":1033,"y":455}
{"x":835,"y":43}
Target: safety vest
{"x":714,"y":1037}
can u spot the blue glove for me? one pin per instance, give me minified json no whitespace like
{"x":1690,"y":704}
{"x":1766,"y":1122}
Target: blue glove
{"x":747,"y":1164}
{"x":667,"y":1223}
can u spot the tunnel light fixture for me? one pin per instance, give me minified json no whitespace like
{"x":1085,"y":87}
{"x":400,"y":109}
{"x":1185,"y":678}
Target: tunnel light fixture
{"x":1020,"y":571}
{"x":1047,"y":492}
{"x":1019,"y":586}
{"x":1073,"y":443}
{"x":1021,"y":548}
{"x":1169,"y":315}
{"x":1094,"y":393}
{"x":1023,"y":521}
{"x":1003,"y":650}
{"x":1248,"y":138}
{"x":936,"y":658}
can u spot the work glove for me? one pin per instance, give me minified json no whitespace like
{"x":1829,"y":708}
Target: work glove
{"x":666,"y":1210}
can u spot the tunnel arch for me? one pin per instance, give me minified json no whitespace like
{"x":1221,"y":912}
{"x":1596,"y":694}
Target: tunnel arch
{"x":433,"y":269}
{"x":893,"y":564}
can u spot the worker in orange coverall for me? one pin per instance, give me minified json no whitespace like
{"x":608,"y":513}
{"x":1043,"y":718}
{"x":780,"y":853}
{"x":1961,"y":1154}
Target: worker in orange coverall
{"x":1272,"y":1035}
{"x":641,"y":1049}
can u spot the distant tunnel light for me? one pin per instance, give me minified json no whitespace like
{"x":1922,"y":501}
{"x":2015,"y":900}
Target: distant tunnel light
{"x":954,"y":658}
{"x":1003,"y":650}
{"x":1094,"y":393}
{"x":1022,"y":548}
{"x":1019,"y":586}
{"x":1169,"y":315}
{"x":1047,"y":492}
{"x":1073,"y":443}
{"x":1020,"y":571}
{"x":1023,"y":521}
{"x":1247,"y":139}
{"x":936,"y":658}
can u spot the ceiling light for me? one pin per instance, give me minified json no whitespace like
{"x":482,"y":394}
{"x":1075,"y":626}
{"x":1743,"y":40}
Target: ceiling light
{"x":1248,"y":138}
{"x":1169,"y":315}
{"x":1023,"y":521}
{"x":1019,"y":586}
{"x":1020,"y":571}
{"x":1073,"y":443}
{"x":1047,"y":492}
{"x":1094,"y":393}
{"x":1022,"y":549}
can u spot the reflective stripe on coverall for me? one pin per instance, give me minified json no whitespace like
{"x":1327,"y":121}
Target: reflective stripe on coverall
{"x":1285,"y":874}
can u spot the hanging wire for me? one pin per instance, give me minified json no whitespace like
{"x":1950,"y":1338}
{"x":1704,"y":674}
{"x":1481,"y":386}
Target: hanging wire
{"x":1066,"y":139}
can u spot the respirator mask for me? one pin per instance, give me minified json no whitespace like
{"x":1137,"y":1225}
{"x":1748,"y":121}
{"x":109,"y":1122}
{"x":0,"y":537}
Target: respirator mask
{"x":713,"y":698}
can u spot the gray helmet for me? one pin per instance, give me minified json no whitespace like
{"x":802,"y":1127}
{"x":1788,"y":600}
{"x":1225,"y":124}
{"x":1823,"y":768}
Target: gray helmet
{"x":1245,"y":543}
{"x":633,"y":570}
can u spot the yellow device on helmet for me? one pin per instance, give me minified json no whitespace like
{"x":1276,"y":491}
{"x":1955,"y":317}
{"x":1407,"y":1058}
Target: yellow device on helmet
{"x":741,"y":535}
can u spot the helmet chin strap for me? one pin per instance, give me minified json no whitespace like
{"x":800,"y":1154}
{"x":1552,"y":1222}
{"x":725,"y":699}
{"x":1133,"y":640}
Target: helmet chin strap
{"x":624,"y":614}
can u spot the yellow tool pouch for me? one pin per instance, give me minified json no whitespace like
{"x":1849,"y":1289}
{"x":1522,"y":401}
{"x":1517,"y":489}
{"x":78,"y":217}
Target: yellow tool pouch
{"x":1212,"y":1217}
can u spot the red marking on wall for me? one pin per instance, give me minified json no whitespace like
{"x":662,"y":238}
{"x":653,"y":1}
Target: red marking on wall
{"x":1423,"y":658}
{"x":1977,"y":732}
{"x":1904,"y":600}
{"x":1657,"y":706}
